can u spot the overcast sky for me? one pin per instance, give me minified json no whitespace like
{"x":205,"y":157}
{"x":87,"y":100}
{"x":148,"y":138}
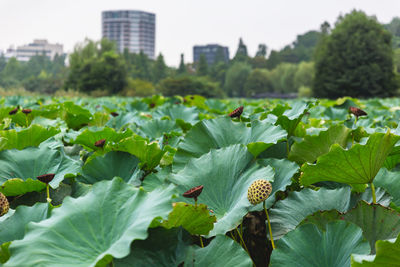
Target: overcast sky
{"x":180,"y":24}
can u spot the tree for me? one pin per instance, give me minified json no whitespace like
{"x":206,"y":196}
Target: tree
{"x":262,"y":51}
{"x":159,"y":69}
{"x":143,"y":67}
{"x":258,"y":82}
{"x":182,"y":67}
{"x":189,"y":85}
{"x":241,"y":53}
{"x":283,"y":78}
{"x":202,"y":66}
{"x":304,"y":75}
{"x":235,"y":79}
{"x":96,"y":66}
{"x":356,"y":59}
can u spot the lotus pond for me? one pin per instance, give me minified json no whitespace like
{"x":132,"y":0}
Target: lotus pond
{"x":199,"y":182}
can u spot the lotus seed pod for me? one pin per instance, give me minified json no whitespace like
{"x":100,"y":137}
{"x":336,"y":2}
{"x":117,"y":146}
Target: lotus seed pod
{"x":46,"y":178}
{"x":236,"y":113}
{"x":193,"y":192}
{"x":357,"y":112}
{"x":4,"y":206}
{"x":100,"y":143}
{"x":259,"y":191}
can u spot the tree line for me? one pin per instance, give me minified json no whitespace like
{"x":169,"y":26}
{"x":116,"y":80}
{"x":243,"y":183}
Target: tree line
{"x":358,"y":57}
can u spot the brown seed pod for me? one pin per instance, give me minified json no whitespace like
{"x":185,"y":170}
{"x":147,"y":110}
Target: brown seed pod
{"x":46,"y":178}
{"x":12,"y":112}
{"x":26,"y":110}
{"x":4,"y":205}
{"x":114,"y":114}
{"x":193,"y":192}
{"x":259,"y":191}
{"x":100,"y":143}
{"x":357,"y":112}
{"x":236,"y":113}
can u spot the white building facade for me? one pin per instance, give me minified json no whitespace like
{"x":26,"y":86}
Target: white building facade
{"x":131,"y":29}
{"x":38,"y":47}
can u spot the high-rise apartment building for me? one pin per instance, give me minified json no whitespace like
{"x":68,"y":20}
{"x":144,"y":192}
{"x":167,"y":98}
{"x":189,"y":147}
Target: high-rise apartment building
{"x":38,"y":47}
{"x":131,"y":29}
{"x":212,"y":52}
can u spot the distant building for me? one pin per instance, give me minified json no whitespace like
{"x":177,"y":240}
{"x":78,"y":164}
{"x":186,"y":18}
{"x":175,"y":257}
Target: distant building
{"x":131,"y":29}
{"x":38,"y":47}
{"x":211,"y":52}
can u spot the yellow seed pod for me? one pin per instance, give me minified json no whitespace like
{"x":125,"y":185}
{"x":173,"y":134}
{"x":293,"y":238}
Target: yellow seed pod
{"x":259,"y":191}
{"x":4,"y":206}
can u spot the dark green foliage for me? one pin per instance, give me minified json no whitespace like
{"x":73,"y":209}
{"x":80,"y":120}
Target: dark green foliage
{"x":189,"y":85}
{"x":241,"y":53}
{"x":301,"y":50}
{"x":258,"y":82}
{"x":96,"y":66}
{"x":355,"y":60}
{"x":182,"y":67}
{"x":159,"y":69}
{"x":202,"y":66}
{"x":235,"y":79}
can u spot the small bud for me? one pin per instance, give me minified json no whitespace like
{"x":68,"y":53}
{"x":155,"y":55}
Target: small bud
{"x":259,"y":191}
{"x":27,"y":110}
{"x":100,"y":143}
{"x":46,"y":178}
{"x":236,"y":113}
{"x":114,"y":114}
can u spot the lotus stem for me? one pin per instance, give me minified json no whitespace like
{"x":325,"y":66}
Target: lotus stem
{"x":242,"y":241}
{"x":373,"y":193}
{"x":269,"y":226}
{"x":287,"y":147}
{"x":233,"y":236}
{"x":201,"y":241}
{"x":48,"y":193}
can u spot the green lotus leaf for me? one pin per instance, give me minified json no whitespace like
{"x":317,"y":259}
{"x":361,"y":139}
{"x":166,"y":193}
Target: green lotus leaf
{"x":226,"y":175}
{"x":195,"y":219}
{"x":284,"y":171}
{"x":30,"y":163}
{"x":13,"y":227}
{"x":75,"y":116}
{"x":149,"y":155}
{"x":112,"y":164}
{"x":377,"y":222}
{"x":222,"y":251}
{"x":163,"y":247}
{"x":223,"y":132}
{"x":124,"y":120}
{"x":100,"y":225}
{"x":358,"y":165}
{"x":286,"y":214}
{"x":312,"y":247}
{"x":157,"y":128}
{"x":31,"y":136}
{"x":288,"y":119}
{"x":314,"y":146}
{"x":4,"y":252}
{"x":89,"y":137}
{"x":178,"y":112}
{"x":99,"y":119}
{"x":390,"y":182}
{"x":387,"y":255}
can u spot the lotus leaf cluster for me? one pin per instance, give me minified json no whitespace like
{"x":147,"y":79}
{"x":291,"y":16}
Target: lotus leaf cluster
{"x":189,"y":181}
